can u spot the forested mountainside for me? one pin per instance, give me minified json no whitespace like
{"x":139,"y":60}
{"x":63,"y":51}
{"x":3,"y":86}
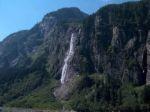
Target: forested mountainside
{"x":31,"y":61}
{"x":70,"y":60}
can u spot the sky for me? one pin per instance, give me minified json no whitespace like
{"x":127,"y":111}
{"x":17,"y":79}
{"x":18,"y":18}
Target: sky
{"x":16,"y":15}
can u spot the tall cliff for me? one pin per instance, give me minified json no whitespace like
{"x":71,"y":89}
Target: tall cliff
{"x":86,"y":63}
{"x":114,"y":42}
{"x":32,"y":59}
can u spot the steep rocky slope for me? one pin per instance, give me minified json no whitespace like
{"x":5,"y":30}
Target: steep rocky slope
{"x":114,"y":42}
{"x":107,"y":68}
{"x":29,"y":59}
{"x":114,"y":48}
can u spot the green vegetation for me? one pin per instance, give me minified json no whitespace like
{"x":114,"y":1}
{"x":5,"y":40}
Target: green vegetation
{"x":131,"y":63}
{"x":41,"y":98}
{"x":93,"y":93}
{"x":98,"y":93}
{"x":112,"y":78}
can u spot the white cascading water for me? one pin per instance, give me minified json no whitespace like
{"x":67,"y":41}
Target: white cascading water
{"x":68,"y":58}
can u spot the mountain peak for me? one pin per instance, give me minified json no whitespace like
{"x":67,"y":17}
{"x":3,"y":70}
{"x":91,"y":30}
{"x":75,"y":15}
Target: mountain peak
{"x":67,"y":14}
{"x":69,"y":8}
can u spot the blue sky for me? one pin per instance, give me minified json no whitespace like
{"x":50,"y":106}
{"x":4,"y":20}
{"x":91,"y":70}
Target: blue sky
{"x":18,"y":15}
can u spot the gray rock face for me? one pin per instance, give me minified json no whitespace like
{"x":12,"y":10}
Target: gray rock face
{"x":69,"y":56}
{"x":148,"y":59}
{"x":47,"y":25}
{"x":68,"y":69}
{"x":111,"y":42}
{"x":64,"y":91}
{"x":130,"y":43}
{"x":115,"y":42}
{"x":39,"y":51}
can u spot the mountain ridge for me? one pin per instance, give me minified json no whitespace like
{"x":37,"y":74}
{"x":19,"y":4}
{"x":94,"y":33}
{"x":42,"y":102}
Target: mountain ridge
{"x":21,"y":53}
{"x":108,"y":71}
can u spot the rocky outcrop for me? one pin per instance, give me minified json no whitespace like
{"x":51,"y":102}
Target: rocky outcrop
{"x":38,"y":52}
{"x":69,"y":72}
{"x":112,"y":42}
{"x":148,"y":59}
{"x":116,"y":40}
{"x":65,"y":76}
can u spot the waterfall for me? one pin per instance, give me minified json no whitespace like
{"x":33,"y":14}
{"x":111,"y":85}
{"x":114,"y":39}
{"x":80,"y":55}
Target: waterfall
{"x":68,"y":58}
